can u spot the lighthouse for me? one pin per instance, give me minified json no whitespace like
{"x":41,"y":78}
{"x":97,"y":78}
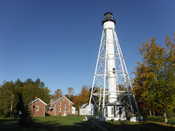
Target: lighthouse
{"x":109,"y":27}
{"x":111,"y":94}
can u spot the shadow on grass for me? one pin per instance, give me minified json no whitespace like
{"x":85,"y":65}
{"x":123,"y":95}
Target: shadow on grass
{"x":92,"y":125}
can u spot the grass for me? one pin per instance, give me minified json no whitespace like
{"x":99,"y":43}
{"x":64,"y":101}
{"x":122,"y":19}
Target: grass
{"x":172,"y":120}
{"x":161,"y":119}
{"x":68,"y":120}
{"x":50,"y":123}
{"x":69,"y":123}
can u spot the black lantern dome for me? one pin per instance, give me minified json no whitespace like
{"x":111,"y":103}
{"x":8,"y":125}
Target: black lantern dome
{"x":108,"y":17}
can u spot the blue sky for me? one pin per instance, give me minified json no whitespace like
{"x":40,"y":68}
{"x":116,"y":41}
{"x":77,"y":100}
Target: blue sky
{"x":57,"y":40}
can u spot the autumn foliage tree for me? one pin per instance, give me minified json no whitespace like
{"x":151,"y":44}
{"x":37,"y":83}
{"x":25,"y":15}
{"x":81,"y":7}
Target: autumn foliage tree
{"x":82,"y":98}
{"x":154,"y":84}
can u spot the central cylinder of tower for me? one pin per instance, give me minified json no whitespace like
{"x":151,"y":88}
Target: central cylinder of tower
{"x":109,"y":28}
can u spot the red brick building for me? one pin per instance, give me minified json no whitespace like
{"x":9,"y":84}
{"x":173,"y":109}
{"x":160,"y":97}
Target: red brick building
{"x":37,"y":107}
{"x":61,"y":106}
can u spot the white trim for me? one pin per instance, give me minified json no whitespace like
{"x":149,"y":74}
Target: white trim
{"x":68,"y":99}
{"x":36,"y":99}
{"x":62,"y":98}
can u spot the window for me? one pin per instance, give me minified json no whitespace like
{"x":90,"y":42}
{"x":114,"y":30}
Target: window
{"x":115,"y":111}
{"x":65,"y":107}
{"x":36,"y":108}
{"x":112,"y":110}
{"x":59,"y":108}
{"x":106,"y":111}
{"x":113,"y":70}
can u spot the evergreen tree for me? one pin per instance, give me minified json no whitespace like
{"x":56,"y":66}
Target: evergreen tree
{"x":23,"y":113}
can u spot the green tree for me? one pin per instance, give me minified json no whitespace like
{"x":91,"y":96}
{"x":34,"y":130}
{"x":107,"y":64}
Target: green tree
{"x":7,"y":98}
{"x":23,"y":112}
{"x":70,"y":93}
{"x":29,"y":89}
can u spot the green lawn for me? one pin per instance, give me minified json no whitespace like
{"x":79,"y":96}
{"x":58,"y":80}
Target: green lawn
{"x":71,"y":123}
{"x":172,"y":120}
{"x":161,"y":119}
{"x":67,"y":120}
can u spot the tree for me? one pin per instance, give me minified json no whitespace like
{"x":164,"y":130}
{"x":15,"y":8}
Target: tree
{"x":84,"y":95}
{"x":76,"y":101}
{"x":154,"y":84}
{"x":70,"y":93}
{"x":29,"y":89}
{"x":82,"y":98}
{"x":57,"y":94}
{"x":25,"y":118}
{"x":6,"y":98}
{"x":142,"y":82}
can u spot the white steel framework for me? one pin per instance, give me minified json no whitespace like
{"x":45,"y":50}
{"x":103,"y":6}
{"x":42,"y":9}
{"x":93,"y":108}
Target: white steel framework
{"x":111,"y":87}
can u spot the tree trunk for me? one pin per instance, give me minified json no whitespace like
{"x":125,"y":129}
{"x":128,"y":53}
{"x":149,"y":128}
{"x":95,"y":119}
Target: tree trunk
{"x":78,"y":111}
{"x":11,"y":108}
{"x":150,"y":113}
{"x":153,"y":113}
{"x":165,"y":117}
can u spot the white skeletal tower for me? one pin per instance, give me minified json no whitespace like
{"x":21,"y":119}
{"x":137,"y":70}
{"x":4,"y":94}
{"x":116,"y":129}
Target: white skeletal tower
{"x":111,"y":94}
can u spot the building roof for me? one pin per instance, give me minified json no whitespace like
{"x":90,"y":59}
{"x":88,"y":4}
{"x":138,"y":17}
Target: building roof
{"x":60,"y":98}
{"x":38,"y":99}
{"x":86,"y":105}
